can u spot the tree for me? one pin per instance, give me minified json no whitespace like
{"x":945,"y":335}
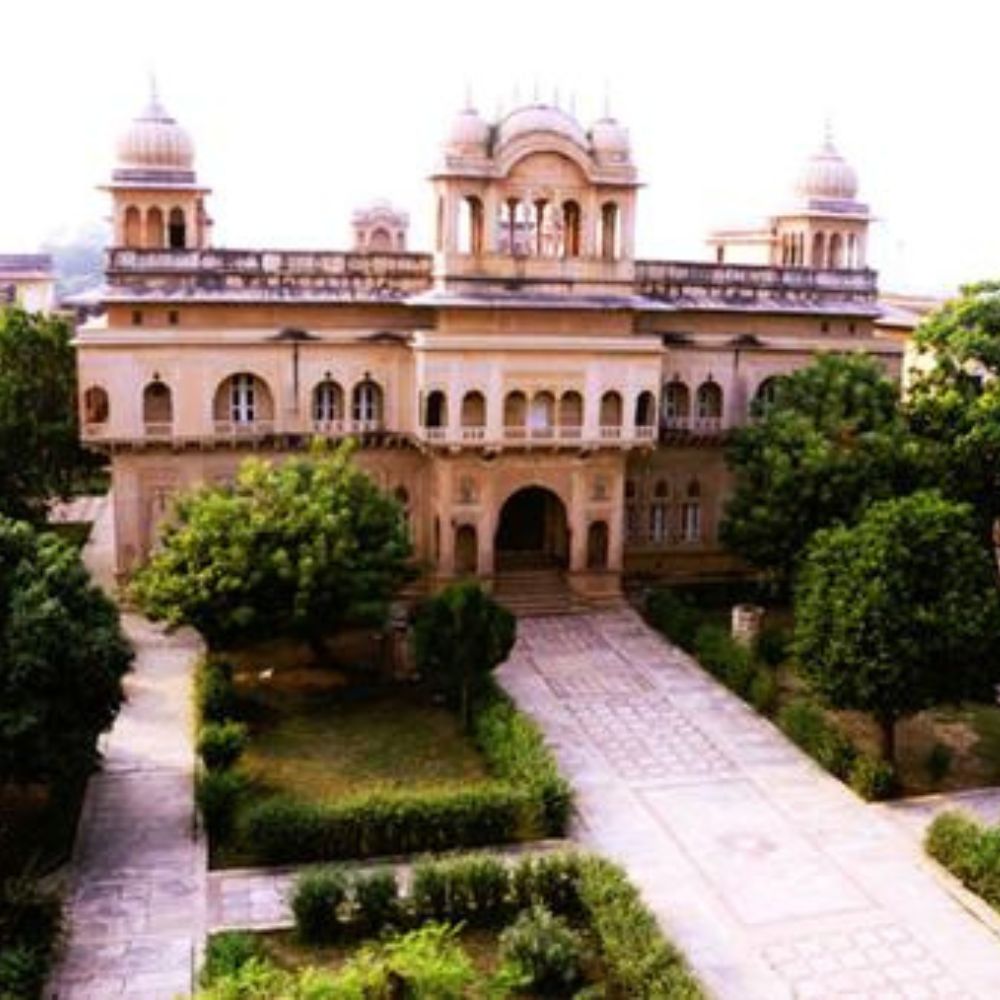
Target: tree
{"x":953,"y":402}
{"x":40,"y":451}
{"x":899,"y":612}
{"x":830,"y":442}
{"x":461,"y":635}
{"x":62,"y":658}
{"x":295,"y":549}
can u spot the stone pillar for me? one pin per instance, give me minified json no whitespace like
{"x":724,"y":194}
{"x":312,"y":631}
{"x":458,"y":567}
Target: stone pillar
{"x":746,"y":623}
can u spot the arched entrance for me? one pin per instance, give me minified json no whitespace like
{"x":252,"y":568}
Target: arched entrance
{"x":532,"y":530}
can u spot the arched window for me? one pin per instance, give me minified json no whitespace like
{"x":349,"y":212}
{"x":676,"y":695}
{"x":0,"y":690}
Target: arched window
{"x":609,"y":231}
{"x":836,"y":251}
{"x":676,"y":404}
{"x":379,"y":240}
{"x":154,"y":228}
{"x":645,"y":410}
{"x":242,"y":401}
{"x":571,"y":229}
{"x":96,"y":405}
{"x":852,"y":251}
{"x":632,"y":529}
{"x":659,"y":513}
{"x":819,"y":250}
{"x":611,"y":410}
{"x":571,"y":414}
{"x":466,"y":550}
{"x":157,"y":408}
{"x":691,"y":513}
{"x":474,"y":410}
{"x":177,"y":230}
{"x":133,"y":227}
{"x":472,"y":226}
{"x":366,"y":405}
{"x":436,"y":410}
{"x":328,"y":404}
{"x":597,"y":545}
{"x":541,"y":415}
{"x":515,"y":227}
{"x":515,"y":413}
{"x":708,"y":401}
{"x":766,"y":392}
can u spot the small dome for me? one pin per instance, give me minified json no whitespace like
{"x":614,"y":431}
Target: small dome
{"x":155,"y":141}
{"x":541,"y":118}
{"x":826,"y":175}
{"x":610,"y":140}
{"x":469,"y":134}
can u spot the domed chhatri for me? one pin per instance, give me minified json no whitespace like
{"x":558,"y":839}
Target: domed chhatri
{"x":540,"y":118}
{"x":610,"y":140}
{"x":826,"y":175}
{"x":154,"y":141}
{"x":469,"y":134}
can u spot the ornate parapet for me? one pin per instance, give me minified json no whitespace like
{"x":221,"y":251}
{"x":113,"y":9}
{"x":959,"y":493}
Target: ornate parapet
{"x":263,"y":275}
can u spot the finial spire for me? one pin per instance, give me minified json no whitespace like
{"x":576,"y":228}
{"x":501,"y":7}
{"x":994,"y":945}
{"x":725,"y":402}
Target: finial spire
{"x":555,"y":97}
{"x":469,"y":103}
{"x":536,"y":93}
{"x":828,"y":142}
{"x":607,"y":98}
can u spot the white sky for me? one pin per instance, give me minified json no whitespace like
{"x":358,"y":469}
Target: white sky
{"x":302,"y":110}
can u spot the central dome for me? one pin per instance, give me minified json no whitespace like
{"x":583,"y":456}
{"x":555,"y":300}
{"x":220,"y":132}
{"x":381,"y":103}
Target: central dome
{"x":154,"y":141}
{"x":540,"y":118}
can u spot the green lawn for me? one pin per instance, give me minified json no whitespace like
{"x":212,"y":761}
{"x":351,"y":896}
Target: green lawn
{"x":319,"y":746}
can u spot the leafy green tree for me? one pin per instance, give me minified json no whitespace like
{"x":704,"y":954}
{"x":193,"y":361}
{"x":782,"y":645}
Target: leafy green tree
{"x":62,"y":658}
{"x":953,"y":402}
{"x":460,"y":635}
{"x":899,"y":612}
{"x":40,"y":453}
{"x":830,"y":442}
{"x":299,"y":548}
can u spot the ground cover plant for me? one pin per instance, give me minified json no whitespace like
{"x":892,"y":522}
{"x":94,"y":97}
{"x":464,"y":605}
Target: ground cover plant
{"x":969,"y":850}
{"x":470,"y":926}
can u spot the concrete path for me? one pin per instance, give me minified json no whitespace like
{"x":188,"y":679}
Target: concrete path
{"x":915,"y":815}
{"x":774,"y":879}
{"x":136,"y":905}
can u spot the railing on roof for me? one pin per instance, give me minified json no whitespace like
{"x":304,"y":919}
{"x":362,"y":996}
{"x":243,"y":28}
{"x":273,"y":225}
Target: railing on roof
{"x":745,"y":282}
{"x":268,"y":272}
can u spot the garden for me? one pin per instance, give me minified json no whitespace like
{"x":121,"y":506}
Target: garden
{"x":547,"y":925}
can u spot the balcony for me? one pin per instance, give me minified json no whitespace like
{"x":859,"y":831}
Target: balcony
{"x":551,"y":435}
{"x":243,"y":428}
{"x":733,"y":286}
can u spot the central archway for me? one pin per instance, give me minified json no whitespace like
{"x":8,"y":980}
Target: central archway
{"x":532,"y":530}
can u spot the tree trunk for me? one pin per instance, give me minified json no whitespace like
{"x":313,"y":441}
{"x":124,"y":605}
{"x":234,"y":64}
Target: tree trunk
{"x":887,"y":725}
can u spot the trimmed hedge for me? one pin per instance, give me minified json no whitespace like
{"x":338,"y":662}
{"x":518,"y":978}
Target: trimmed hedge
{"x":481,"y":890}
{"x":969,"y":850}
{"x":221,"y":744}
{"x":215,"y":695}
{"x":515,"y":752}
{"x":283,"y":830}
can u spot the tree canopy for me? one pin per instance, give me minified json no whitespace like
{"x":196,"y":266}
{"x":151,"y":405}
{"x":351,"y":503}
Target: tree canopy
{"x":899,"y":611}
{"x":298,"y":548}
{"x":40,"y":451}
{"x":953,"y":402}
{"x":460,"y":635}
{"x":830,"y":442}
{"x":62,"y":658}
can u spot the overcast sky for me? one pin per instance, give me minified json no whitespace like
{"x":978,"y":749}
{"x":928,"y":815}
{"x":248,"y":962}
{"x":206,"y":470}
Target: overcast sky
{"x":301,"y":110}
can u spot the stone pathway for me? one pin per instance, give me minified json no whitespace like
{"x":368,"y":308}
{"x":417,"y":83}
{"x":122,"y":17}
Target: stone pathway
{"x":136,"y":904}
{"x":774,"y":879}
{"x":914,"y":815}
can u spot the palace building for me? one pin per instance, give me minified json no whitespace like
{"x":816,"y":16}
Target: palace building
{"x":545,"y":406}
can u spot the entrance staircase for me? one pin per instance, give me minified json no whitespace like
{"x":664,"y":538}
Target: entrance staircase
{"x":531,"y":592}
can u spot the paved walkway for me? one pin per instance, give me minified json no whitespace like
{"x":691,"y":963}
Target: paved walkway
{"x":138,"y":887}
{"x":774,"y":879}
{"x":915,"y":815}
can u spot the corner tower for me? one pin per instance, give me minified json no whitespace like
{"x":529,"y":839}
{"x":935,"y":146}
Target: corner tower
{"x":535,"y":202}
{"x":157,"y":203}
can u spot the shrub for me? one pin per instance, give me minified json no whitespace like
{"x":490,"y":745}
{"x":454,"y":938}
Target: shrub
{"x":214,"y":691}
{"x":673,"y":615}
{"x":429,"y":891}
{"x":474,"y":889}
{"x":22,"y":971}
{"x":282,"y":830}
{"x":727,"y":659}
{"x":969,"y":851}
{"x":516,"y":753}
{"x":873,"y":779}
{"x":217,"y":794}
{"x":805,"y":723}
{"x":221,"y":744}
{"x":545,"y":951}
{"x":375,"y":896}
{"x":256,"y":979}
{"x":772,"y":645}
{"x":638,"y":960}
{"x":764,"y":691}
{"x":227,"y":953}
{"x":550,"y":880}
{"x":938,"y":762}
{"x":316,"y":900}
